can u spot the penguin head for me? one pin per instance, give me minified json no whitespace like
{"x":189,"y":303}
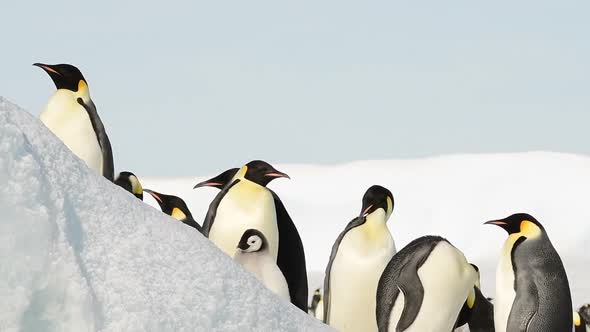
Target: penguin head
{"x":317,"y":293}
{"x":129,"y":182}
{"x":520,"y":223}
{"x":64,"y":76}
{"x":377,"y":197}
{"x":220,"y":180}
{"x":260,"y":172}
{"x":252,"y":241}
{"x":171,"y":205}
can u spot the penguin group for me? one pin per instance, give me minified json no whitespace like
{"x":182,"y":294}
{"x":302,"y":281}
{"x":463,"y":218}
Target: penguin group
{"x":428,"y":285}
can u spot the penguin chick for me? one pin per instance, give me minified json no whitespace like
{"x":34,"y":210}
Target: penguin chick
{"x":71,"y":115}
{"x":253,"y":254}
{"x":175,"y":207}
{"x":129,"y":182}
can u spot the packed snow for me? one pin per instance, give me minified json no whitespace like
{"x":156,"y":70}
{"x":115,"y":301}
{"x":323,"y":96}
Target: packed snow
{"x":78,"y":253}
{"x":451,"y":196}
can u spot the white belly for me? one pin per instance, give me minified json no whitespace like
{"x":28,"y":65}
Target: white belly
{"x":447,"y":278}
{"x":246,"y":205}
{"x":319,"y":310}
{"x":505,"y":293}
{"x":354,"y":277}
{"x":264,"y":267}
{"x":70,"y":122}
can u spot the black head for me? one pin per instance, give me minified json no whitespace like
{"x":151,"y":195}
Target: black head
{"x":375,"y":198}
{"x":262,"y":173}
{"x":64,"y":76}
{"x":171,"y":205}
{"x":518,"y":223}
{"x":219,"y":181}
{"x":252,"y":241}
{"x":129,"y":182}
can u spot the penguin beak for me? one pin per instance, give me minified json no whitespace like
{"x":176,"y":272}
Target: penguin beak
{"x":499,"y":223}
{"x":366,"y":211}
{"x":496,"y":222}
{"x":154,"y":195}
{"x":48,"y":69}
{"x":243,"y":246}
{"x":208,"y":183}
{"x":276,"y":174}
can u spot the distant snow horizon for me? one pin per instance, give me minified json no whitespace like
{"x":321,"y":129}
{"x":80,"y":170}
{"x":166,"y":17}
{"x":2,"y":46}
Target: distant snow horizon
{"x":448,"y":195}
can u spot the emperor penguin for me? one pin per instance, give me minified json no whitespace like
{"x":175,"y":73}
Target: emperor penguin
{"x":245,"y":202}
{"x":175,"y":207}
{"x":477,"y":311}
{"x":254,"y":255}
{"x":316,"y":308}
{"x":71,"y":115}
{"x":220,"y":180}
{"x":359,"y":255}
{"x":532,"y":290}
{"x":582,"y":319}
{"x":129,"y":182}
{"x":423,"y":287}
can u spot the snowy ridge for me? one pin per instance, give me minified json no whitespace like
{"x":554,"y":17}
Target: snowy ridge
{"x":451,"y":196}
{"x":79,"y":254}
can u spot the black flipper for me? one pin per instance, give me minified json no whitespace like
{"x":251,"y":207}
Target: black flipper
{"x":191,"y":222}
{"x":108,"y":167}
{"x":354,"y":223}
{"x":212,"y":212}
{"x":291,"y":256}
{"x":401,"y":273}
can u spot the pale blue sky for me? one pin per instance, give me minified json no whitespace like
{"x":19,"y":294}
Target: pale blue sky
{"x":187,"y":87}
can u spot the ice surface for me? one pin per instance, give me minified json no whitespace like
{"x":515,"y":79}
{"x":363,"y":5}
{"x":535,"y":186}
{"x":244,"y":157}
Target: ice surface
{"x":451,"y":196}
{"x":78,"y":253}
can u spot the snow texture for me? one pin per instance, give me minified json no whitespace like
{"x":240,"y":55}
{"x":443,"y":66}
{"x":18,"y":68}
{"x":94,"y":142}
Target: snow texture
{"x":451,"y":196}
{"x":78,"y":253}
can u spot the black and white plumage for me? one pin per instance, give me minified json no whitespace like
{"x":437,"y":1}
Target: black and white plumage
{"x":532,"y":289}
{"x":130,"y":182}
{"x":244,"y":197}
{"x":175,"y":207}
{"x":71,"y":115}
{"x":358,"y":257}
{"x":424,"y":287}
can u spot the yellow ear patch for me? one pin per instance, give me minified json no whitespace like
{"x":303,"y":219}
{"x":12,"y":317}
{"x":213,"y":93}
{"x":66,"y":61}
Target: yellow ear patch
{"x":389,"y":205}
{"x":82,"y":86}
{"x":529,"y":229}
{"x":471,"y":298}
{"x":178,"y":214}
{"x":135,"y":185}
{"x":577,"y":320}
{"x":241,"y":173}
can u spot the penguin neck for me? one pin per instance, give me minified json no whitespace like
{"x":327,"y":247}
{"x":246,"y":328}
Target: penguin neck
{"x":375,"y":225}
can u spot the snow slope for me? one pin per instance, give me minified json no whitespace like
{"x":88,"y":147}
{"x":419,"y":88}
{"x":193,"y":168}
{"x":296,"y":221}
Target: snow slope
{"x":79,"y":254}
{"x":451,"y":196}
